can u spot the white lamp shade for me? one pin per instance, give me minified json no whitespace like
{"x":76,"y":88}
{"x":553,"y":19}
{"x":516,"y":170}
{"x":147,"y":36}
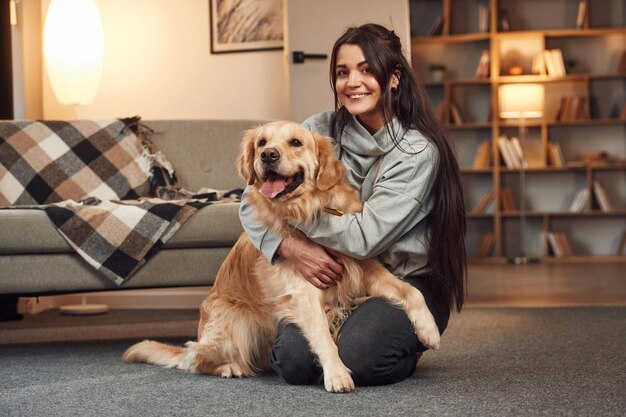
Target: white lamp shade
{"x":74,"y":50}
{"x":521,"y":100}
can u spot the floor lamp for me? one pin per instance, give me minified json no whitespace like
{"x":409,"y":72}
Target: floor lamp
{"x":73,"y":46}
{"x":521,"y":102}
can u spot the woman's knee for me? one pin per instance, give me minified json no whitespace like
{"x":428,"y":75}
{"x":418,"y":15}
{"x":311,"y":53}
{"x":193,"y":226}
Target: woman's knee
{"x":292,"y":358}
{"x":378,"y":343}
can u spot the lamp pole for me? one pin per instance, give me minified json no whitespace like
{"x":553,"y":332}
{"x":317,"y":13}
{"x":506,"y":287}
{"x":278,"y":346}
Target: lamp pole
{"x":521,"y":101}
{"x":522,"y":258}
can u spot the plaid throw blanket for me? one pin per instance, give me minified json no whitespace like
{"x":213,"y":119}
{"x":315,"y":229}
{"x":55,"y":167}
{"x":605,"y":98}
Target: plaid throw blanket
{"x":94,"y":180}
{"x":53,"y":161}
{"x":118,"y":237}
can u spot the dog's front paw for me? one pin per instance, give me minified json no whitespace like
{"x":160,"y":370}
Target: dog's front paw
{"x":230,"y":370}
{"x":338,"y":381}
{"x":426,"y":329}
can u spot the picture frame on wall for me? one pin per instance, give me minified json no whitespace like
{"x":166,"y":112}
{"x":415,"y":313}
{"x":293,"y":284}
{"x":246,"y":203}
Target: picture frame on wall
{"x":245,"y":25}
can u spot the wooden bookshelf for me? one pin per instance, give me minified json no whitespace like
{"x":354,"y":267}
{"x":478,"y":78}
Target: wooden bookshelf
{"x":592,"y":47}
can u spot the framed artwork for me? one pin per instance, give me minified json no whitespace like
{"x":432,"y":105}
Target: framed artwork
{"x":245,"y":25}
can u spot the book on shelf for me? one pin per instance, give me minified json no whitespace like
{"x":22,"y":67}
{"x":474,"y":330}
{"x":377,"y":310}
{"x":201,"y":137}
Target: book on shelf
{"x":483,"y":204}
{"x":440,"y":112}
{"x":504,"y":22}
{"x":511,"y":152}
{"x":437,"y":28}
{"x":505,"y":152}
{"x":617,"y":109}
{"x":482,"y":157}
{"x":594,"y":108}
{"x":559,"y":244}
{"x":483,"y":18}
{"x":621,"y":66}
{"x":565,"y":244}
{"x":580,"y":200}
{"x":622,"y":246}
{"x":482,"y":70}
{"x":555,"y":155}
{"x":507,"y":201}
{"x":553,"y":245}
{"x":553,"y":59}
{"x":563,"y":109}
{"x":579,"y":108}
{"x":534,"y":154}
{"x":602,"y":197}
{"x":487,"y":242}
{"x":572,"y":108}
{"x":557,"y":54}
{"x":518,"y":151}
{"x":456,"y":117}
{"x":538,"y":65}
{"x":582,"y":17}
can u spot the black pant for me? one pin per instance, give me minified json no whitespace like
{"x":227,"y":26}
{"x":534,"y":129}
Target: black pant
{"x":377,"y":342}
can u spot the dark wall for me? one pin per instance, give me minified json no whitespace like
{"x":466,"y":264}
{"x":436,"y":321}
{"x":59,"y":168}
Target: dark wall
{"x":6,"y":79}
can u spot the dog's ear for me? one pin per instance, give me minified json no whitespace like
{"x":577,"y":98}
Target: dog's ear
{"x":331,"y":169}
{"x":245,"y":161}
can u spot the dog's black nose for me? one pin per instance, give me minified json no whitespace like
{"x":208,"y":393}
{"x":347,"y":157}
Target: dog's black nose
{"x":270,"y":155}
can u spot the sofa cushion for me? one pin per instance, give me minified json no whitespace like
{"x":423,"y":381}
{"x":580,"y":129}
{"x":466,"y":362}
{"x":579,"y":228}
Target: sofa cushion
{"x":26,"y":231}
{"x":202,"y":152}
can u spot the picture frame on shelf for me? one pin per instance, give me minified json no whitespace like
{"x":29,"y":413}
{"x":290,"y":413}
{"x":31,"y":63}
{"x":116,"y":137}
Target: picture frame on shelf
{"x":262,"y":31}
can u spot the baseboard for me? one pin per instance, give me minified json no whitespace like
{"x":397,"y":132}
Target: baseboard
{"x":158,"y":299}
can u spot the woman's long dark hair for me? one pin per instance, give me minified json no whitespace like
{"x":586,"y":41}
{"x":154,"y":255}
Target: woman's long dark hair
{"x":410,"y":105}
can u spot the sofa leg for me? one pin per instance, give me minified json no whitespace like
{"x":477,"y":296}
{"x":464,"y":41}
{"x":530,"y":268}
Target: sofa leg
{"x":8,"y":308}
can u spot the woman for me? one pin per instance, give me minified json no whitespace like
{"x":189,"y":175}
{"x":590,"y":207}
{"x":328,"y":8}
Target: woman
{"x":413,"y":219}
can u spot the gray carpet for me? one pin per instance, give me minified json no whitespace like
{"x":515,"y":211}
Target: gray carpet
{"x":493,"y":362}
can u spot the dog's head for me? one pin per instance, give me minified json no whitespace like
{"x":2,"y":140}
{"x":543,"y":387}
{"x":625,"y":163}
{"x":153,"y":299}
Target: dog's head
{"x":284,"y":160}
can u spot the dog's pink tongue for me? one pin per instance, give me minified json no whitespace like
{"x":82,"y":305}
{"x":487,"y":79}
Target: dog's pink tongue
{"x":272,"y":187}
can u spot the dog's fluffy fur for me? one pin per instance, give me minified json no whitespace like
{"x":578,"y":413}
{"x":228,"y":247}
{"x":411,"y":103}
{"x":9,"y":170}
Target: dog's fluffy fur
{"x":293,"y":174}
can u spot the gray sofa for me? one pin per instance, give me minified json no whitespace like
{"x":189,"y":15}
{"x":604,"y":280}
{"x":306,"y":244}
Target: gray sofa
{"x":35,"y":259}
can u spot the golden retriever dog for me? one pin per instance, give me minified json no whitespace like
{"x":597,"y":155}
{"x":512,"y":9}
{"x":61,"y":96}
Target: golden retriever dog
{"x":294,"y":175}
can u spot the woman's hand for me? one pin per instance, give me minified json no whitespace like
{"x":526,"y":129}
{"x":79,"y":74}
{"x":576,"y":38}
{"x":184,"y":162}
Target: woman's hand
{"x":311,"y":260}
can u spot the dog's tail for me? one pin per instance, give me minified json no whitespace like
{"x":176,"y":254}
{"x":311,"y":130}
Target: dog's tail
{"x":156,"y":353}
{"x":194,"y":357}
